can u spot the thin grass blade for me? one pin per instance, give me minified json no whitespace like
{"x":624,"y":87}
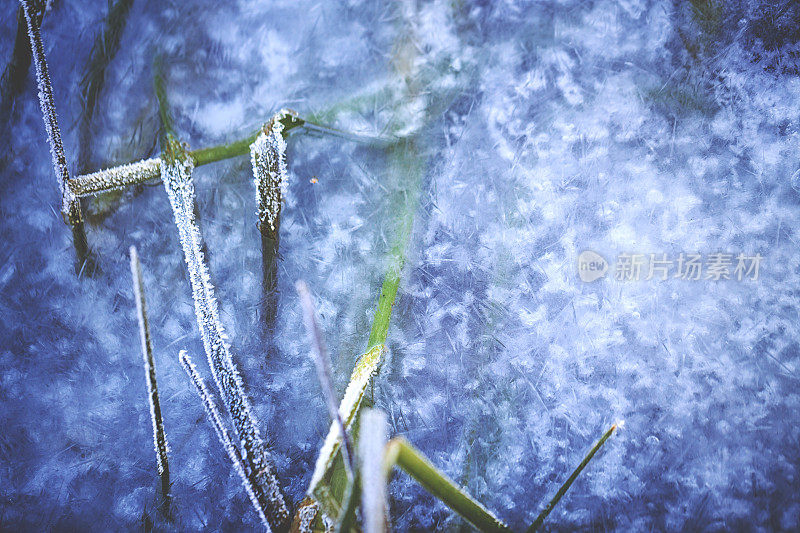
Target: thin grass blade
{"x":565,"y":487}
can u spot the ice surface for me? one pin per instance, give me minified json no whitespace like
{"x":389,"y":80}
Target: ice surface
{"x":545,"y":129}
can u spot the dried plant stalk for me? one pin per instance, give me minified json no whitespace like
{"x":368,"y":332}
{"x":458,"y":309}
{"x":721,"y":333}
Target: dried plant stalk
{"x":70,"y":207}
{"x":159,"y":435}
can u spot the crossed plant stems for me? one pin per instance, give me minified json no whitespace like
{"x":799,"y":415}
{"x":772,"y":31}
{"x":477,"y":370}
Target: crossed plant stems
{"x":339,"y":481}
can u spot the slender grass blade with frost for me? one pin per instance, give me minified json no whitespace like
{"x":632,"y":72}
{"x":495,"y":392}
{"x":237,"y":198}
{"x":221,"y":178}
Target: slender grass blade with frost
{"x":177,"y":177}
{"x":159,"y":435}
{"x":141,"y":171}
{"x":222,"y":434}
{"x":14,"y":75}
{"x":322,"y":362}
{"x":320,"y":486}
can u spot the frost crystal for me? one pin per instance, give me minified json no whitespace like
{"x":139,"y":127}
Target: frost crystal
{"x":115,"y":178}
{"x":177,"y":178}
{"x":159,"y":435}
{"x":365,"y":369}
{"x":70,"y":208}
{"x":222,"y":434}
{"x":371,"y":445}
{"x":268,"y":158}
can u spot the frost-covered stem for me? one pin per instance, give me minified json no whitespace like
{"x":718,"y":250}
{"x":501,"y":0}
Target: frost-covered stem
{"x":13,"y":79}
{"x":268,"y":160}
{"x":176,"y":175}
{"x":222,"y":434}
{"x":323,"y":363}
{"x":70,"y":207}
{"x":117,"y":177}
{"x":565,"y":487}
{"x":159,"y":435}
{"x":401,"y":453}
{"x":132,"y":173}
{"x":374,"y":429}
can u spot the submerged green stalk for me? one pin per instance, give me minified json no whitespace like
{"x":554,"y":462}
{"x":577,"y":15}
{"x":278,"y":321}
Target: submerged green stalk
{"x":104,"y":48}
{"x":565,"y":487}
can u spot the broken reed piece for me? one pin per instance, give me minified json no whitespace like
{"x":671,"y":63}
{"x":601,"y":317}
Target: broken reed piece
{"x":115,"y":178}
{"x":159,"y":435}
{"x":176,"y":173}
{"x":268,"y":160}
{"x":233,"y":452}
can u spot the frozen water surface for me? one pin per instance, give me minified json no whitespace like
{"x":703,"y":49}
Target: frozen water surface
{"x":544,"y":129}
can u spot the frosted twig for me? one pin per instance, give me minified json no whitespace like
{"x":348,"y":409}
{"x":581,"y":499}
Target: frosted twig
{"x":268,"y":159}
{"x":159,"y":435}
{"x":373,"y":476}
{"x":115,"y":178}
{"x":222,"y":434}
{"x":323,"y":363}
{"x":70,"y":207}
{"x":176,"y":175}
{"x":365,"y":370}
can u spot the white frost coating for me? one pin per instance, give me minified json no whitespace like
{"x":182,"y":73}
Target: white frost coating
{"x":268,"y":159}
{"x":222,"y":434}
{"x":70,"y":208}
{"x":177,"y":178}
{"x":365,"y":369}
{"x":159,"y":435}
{"x":115,"y":177}
{"x":371,"y":446}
